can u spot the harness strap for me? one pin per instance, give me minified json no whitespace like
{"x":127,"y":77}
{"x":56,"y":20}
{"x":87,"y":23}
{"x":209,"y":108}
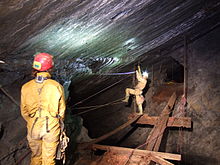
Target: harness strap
{"x":47,"y":128}
{"x":35,"y":121}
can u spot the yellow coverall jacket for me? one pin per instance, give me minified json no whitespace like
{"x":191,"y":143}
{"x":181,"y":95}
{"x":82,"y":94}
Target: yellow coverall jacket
{"x":41,"y":103}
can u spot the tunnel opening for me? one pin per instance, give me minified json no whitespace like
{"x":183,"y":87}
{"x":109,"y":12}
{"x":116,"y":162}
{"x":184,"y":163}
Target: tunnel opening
{"x":174,"y":71}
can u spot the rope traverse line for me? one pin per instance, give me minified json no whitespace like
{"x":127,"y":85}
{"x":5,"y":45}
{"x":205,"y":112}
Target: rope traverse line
{"x":80,"y":102}
{"x":100,"y":106}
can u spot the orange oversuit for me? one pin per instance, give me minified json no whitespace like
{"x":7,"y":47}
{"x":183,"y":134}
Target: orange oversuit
{"x":41,"y":106}
{"x":137,"y":91}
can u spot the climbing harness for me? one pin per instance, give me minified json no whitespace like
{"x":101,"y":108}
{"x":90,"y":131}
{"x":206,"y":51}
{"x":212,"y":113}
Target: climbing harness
{"x":32,"y":128}
{"x":39,"y":80}
{"x":47,"y":129}
{"x":63,"y":140}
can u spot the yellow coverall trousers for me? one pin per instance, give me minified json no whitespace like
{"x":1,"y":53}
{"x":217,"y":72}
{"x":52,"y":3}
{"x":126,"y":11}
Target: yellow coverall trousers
{"x":43,"y":141}
{"x":138,"y":96}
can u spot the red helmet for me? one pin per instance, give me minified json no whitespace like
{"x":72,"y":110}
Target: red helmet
{"x":43,"y":62}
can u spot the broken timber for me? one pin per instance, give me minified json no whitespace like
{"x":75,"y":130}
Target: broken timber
{"x":156,"y":134}
{"x":159,"y":160}
{"x":120,"y":155}
{"x":122,"y":150}
{"x":184,"y":122}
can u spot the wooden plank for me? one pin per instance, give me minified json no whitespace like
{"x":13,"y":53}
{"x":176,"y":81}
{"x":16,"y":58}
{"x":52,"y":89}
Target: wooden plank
{"x":164,"y":117}
{"x":110,"y":158}
{"x":184,"y":122}
{"x":112,"y":132}
{"x":172,"y":121}
{"x":149,"y":120}
{"x":122,"y":150}
{"x":159,"y":160}
{"x":156,"y":134}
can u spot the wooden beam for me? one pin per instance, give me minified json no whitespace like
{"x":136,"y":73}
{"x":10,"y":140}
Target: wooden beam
{"x":112,"y":132}
{"x":122,"y":150}
{"x":156,"y":134}
{"x":9,"y":96}
{"x":172,"y":121}
{"x":159,"y":160}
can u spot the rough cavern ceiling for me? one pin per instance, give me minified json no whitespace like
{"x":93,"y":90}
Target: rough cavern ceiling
{"x":93,"y":36}
{"x":99,"y":37}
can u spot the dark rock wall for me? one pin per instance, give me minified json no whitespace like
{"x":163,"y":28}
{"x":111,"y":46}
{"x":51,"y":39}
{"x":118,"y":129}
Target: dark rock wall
{"x":202,"y":144}
{"x":154,"y":25}
{"x":13,"y":144}
{"x":199,"y":145}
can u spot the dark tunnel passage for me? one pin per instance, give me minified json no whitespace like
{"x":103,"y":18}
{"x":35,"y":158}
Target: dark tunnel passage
{"x":100,"y":50}
{"x":175,"y":72}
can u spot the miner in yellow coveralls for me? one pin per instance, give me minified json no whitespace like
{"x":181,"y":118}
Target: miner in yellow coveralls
{"x":137,"y":91}
{"x":42,"y":106}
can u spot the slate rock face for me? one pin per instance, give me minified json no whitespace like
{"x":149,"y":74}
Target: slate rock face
{"x":120,"y":30}
{"x":97,"y":36}
{"x":201,"y":145}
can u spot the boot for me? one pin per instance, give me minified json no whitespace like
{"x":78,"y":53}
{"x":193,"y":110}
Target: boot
{"x":125,"y":99}
{"x":140,"y":109}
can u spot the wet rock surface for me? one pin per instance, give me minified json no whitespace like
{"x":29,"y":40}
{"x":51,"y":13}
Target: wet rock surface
{"x":98,"y":36}
{"x":89,"y":39}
